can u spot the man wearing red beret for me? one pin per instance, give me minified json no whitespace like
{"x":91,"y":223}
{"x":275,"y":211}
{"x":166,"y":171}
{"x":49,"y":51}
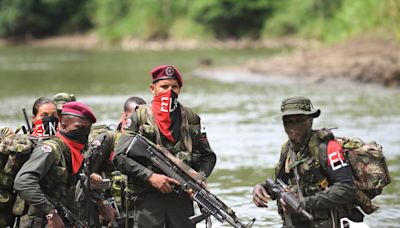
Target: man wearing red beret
{"x":177,"y":128}
{"x":51,"y":171}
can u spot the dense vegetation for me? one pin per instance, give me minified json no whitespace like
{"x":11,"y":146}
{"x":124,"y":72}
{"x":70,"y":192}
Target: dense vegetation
{"x":328,"y":20}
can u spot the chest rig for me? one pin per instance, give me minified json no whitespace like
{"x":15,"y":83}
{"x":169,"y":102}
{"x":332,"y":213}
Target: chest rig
{"x":190,"y":132}
{"x":311,"y":167}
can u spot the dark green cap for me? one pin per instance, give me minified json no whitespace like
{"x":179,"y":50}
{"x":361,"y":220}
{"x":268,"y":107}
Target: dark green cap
{"x":61,"y":98}
{"x":298,"y":106}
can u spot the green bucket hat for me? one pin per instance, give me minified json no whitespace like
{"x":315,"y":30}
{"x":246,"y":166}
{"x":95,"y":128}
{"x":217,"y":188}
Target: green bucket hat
{"x":298,"y":106}
{"x":61,"y":98}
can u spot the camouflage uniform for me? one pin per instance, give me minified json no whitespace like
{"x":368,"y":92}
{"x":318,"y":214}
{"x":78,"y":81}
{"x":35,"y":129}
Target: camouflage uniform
{"x":152,"y":208}
{"x":328,"y":189}
{"x":46,"y":173}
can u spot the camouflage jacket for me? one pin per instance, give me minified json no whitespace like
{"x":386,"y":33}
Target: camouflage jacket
{"x":47,"y":173}
{"x":193,"y":148}
{"x":325,"y":181}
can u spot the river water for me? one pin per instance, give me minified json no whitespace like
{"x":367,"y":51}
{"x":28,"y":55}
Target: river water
{"x":240,"y":110}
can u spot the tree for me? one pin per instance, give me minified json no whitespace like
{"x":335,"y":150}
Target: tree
{"x":232,"y":18}
{"x":23,"y":19}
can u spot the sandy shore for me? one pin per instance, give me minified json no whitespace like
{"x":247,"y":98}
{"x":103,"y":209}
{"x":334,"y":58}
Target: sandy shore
{"x":366,"y":60}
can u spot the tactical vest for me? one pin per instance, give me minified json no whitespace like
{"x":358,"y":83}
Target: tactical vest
{"x":312,"y":170}
{"x":190,"y":131}
{"x":309,"y":166}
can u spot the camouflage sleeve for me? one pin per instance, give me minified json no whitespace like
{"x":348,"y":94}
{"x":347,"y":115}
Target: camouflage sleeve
{"x":341,"y":188}
{"x":31,"y":173}
{"x":204,"y":158}
{"x":336,"y":195}
{"x":122,"y":162}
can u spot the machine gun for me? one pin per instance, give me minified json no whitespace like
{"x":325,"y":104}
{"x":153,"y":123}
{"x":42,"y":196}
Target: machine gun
{"x":188,"y":178}
{"x":277,"y":190}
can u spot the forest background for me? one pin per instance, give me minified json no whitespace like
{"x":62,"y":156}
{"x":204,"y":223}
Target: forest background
{"x":113,"y":21}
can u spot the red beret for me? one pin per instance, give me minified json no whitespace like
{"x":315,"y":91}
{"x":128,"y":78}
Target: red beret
{"x":76,"y":108}
{"x":166,"y":72}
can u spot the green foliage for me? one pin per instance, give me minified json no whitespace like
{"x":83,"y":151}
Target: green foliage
{"x":37,"y":18}
{"x":150,"y":19}
{"x":333,"y":20}
{"x":328,"y":20}
{"x":231,"y":18}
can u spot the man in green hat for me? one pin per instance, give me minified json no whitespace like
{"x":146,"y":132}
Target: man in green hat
{"x":61,"y":98}
{"x":319,"y":176}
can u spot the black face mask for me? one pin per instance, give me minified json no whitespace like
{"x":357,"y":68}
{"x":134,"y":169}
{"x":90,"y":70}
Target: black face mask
{"x":50,"y":124}
{"x":46,"y":126}
{"x":78,"y":135}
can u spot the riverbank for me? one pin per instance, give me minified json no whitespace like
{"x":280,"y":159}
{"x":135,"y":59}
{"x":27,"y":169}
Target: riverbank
{"x":92,"y":41}
{"x":366,"y":60}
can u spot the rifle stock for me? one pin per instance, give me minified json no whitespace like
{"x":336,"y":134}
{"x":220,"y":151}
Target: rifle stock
{"x":188,"y":178}
{"x":67,"y":214}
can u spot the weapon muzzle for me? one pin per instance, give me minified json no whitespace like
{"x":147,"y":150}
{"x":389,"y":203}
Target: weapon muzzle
{"x":250,"y":224}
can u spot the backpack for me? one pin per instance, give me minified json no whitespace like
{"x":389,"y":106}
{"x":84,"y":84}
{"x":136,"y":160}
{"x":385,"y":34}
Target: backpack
{"x":369,"y":168}
{"x":96,"y":130}
{"x":14,"y":152}
{"x":370,"y":172}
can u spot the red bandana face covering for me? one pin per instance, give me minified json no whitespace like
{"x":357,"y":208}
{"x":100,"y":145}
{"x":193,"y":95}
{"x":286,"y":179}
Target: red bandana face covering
{"x":76,"y":156}
{"x":167,"y":113}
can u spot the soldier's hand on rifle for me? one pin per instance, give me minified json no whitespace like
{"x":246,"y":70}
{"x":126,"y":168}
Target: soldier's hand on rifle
{"x":286,"y":208}
{"x":162,"y":182}
{"x":54,"y":220}
{"x":107,"y":212}
{"x":95,"y":179}
{"x":260,"y":196}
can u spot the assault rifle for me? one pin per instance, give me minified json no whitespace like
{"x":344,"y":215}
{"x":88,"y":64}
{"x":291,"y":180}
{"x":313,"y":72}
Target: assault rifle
{"x":188,"y":178}
{"x":64,"y":212}
{"x":278,"y":190}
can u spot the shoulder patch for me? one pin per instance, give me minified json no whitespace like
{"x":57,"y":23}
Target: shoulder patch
{"x":335,"y":155}
{"x":46,"y":148}
{"x":96,"y":142}
{"x":128,"y":123}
